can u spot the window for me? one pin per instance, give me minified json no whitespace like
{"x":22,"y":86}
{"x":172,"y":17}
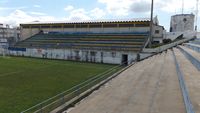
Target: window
{"x":157,"y":31}
{"x":77,"y":53}
{"x":93,"y":53}
{"x":113,"y":54}
{"x":185,"y":19}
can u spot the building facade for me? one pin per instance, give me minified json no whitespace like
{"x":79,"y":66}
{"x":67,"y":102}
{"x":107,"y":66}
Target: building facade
{"x":12,"y":35}
{"x":105,"y":41}
{"x":182,"y":23}
{"x":95,"y":26}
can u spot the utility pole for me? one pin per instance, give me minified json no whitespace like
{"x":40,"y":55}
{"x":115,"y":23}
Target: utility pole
{"x":151,"y":25}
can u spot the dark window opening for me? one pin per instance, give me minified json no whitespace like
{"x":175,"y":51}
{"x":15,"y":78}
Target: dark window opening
{"x":113,"y":54}
{"x":93,"y":53}
{"x":125,"y":59}
{"x":185,"y":19}
{"x":157,"y":31}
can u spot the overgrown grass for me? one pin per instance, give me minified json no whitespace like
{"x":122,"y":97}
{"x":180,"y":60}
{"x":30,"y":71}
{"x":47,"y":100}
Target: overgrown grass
{"x":25,"y":82}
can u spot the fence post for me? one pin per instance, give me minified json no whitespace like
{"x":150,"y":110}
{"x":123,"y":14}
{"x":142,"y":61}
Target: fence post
{"x":63,"y":99}
{"x":41,"y":109}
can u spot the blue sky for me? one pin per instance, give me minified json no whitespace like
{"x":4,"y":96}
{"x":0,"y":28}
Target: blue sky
{"x":20,"y":11}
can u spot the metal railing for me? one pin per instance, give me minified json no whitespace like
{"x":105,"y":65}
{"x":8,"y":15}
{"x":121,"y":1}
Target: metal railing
{"x":186,"y":97}
{"x":167,"y":46}
{"x":194,"y":47}
{"x":191,"y":58}
{"x":74,"y":94}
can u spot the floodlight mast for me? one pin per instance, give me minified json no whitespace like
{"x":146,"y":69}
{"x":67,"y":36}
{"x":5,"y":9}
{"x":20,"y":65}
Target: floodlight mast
{"x":151,"y":24}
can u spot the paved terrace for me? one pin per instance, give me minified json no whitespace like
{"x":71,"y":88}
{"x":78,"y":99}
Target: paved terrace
{"x":150,"y":86}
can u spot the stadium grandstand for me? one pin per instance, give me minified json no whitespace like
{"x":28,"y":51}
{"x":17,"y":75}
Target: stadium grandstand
{"x":101,"y":41}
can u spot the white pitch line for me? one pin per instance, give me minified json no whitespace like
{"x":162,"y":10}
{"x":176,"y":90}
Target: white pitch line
{"x":10,"y":73}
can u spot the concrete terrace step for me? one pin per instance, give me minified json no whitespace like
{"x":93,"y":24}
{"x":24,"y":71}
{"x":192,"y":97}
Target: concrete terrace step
{"x":192,"y":52}
{"x":192,"y":79}
{"x":143,"y":88}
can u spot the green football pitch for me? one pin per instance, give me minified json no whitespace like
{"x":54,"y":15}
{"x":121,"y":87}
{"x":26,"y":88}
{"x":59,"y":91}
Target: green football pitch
{"x":25,"y":82}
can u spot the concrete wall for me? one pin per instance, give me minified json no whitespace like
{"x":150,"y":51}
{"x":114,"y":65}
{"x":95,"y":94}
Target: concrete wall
{"x":109,"y":57}
{"x":160,"y":33}
{"x":182,"y":22}
{"x":28,"y":32}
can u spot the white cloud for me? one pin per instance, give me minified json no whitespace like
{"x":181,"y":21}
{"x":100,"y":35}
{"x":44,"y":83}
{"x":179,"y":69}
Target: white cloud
{"x":97,"y":13}
{"x":19,"y":16}
{"x":12,"y":8}
{"x":69,"y":8}
{"x":82,"y":14}
{"x":141,"y":6}
{"x":37,"y":13}
{"x":78,"y":14}
{"x":171,"y":6}
{"x":125,"y":7}
{"x":117,"y":7}
{"x":5,"y":8}
{"x":36,"y":6}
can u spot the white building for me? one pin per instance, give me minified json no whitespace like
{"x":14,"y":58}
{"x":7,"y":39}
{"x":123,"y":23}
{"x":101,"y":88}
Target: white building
{"x":182,"y":23}
{"x":12,"y":34}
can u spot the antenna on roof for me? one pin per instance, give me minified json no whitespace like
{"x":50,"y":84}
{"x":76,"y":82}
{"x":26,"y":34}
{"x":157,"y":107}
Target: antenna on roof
{"x":197,"y":13}
{"x":182,"y":6}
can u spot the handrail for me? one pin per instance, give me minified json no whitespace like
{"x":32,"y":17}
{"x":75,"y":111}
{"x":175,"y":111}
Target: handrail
{"x":167,"y":46}
{"x":195,"y":47}
{"x":192,"y":59}
{"x":77,"y":88}
{"x":186,"y":97}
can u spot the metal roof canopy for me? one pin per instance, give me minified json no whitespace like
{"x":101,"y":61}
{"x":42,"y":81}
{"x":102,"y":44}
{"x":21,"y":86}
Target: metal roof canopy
{"x":90,"y":21}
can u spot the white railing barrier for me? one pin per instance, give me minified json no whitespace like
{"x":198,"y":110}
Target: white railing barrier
{"x":165,"y":47}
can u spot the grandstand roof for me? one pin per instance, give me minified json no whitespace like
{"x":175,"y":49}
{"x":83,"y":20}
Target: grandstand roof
{"x":92,"y":21}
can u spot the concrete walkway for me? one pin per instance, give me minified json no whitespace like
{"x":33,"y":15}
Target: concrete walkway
{"x":151,"y":86}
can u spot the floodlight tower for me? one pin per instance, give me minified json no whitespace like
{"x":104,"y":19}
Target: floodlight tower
{"x":151,"y":24}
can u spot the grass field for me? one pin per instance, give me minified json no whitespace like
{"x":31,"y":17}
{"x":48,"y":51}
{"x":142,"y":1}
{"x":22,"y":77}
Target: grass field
{"x":25,"y":82}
